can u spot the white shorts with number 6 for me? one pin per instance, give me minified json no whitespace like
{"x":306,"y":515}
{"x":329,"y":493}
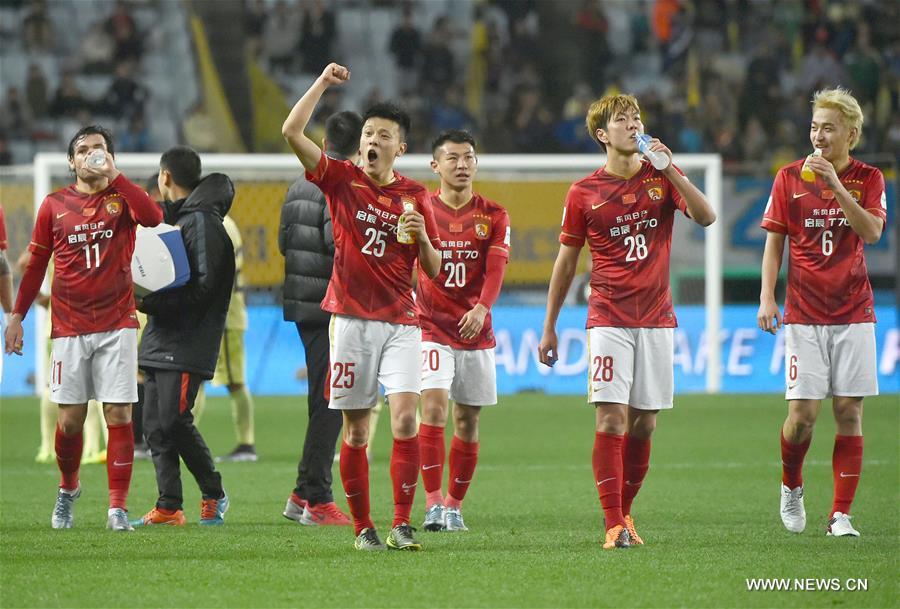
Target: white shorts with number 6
{"x":366,"y":352}
{"x":469,"y":375}
{"x":101,"y":366}
{"x":821,"y":361}
{"x":631,"y":366}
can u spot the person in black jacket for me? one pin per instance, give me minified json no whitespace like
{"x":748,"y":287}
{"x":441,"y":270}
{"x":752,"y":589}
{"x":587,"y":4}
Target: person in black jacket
{"x":180,"y":344}
{"x":306,"y":242}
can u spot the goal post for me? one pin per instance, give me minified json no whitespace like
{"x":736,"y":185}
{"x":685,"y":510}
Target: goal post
{"x":51,"y":170}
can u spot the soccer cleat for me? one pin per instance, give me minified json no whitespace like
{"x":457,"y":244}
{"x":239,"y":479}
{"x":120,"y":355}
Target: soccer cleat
{"x":401,"y":538}
{"x":617,"y":537}
{"x":434,"y":518}
{"x":839,"y":526}
{"x":117,"y":520}
{"x":294,"y":508}
{"x":97,"y":458}
{"x":45,"y":457}
{"x":212,"y":511}
{"x":368,"y":541}
{"x":324,"y":514}
{"x":632,"y":533}
{"x":157,"y":517}
{"x":64,"y":510}
{"x":793,"y":514}
{"x":453,"y":520}
{"x":243,"y":453}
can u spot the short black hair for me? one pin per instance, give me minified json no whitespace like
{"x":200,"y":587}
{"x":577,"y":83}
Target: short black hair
{"x":457,"y":136}
{"x":391,"y":112}
{"x":92,"y":130}
{"x":152,"y":182}
{"x":342,"y":131}
{"x":183,"y":163}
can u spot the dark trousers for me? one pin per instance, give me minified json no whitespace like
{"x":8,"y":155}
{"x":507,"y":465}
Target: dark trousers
{"x":314,"y":471}
{"x":169,"y":425}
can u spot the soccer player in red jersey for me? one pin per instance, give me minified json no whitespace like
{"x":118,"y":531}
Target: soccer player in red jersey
{"x":375,"y":336}
{"x":457,"y":336}
{"x":625,"y":211}
{"x":6,"y":283}
{"x":88,"y":228}
{"x":829,"y":316}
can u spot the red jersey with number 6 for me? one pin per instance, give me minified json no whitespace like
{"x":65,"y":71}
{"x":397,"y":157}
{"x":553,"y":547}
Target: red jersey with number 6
{"x":372,"y":273}
{"x":91,"y":237}
{"x":827,"y":278}
{"x":470,"y":234}
{"x":627,"y":224}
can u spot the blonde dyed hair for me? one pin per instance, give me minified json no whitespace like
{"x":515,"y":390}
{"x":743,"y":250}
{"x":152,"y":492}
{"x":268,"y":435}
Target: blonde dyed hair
{"x":602,"y":110}
{"x":842,"y":100}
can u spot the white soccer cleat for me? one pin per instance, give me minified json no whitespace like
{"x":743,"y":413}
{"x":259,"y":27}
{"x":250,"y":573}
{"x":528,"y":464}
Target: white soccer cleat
{"x":839,"y":526}
{"x":793,"y":514}
{"x":64,"y":509}
{"x":434,"y":518}
{"x":453,"y":520}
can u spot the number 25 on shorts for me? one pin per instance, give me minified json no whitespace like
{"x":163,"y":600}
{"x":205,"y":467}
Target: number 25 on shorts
{"x":342,"y":375}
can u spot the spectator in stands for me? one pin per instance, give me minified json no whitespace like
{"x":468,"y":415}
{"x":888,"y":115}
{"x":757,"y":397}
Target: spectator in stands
{"x":281,"y":36}
{"x":591,"y":25}
{"x":125,"y":96}
{"x":864,"y":65}
{"x":15,"y":119}
{"x":5,"y":154}
{"x":37,"y":91}
{"x":68,"y":100}
{"x":136,"y":138}
{"x":122,"y":28}
{"x":319,"y":33}
{"x":254,"y":20}
{"x":97,"y":50}
{"x":532,"y":122}
{"x":37,"y":30}
{"x":406,"y":42}
{"x":438,"y":63}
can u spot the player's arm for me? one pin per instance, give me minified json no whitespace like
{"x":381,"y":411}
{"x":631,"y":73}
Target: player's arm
{"x":294,"y":126}
{"x":6,"y":283}
{"x":560,"y":281}
{"x":868,"y":226}
{"x":420,"y":222}
{"x":32,"y":277}
{"x":144,"y":209}
{"x":471,"y":324}
{"x":698,"y":206}
{"x":769,"y":316}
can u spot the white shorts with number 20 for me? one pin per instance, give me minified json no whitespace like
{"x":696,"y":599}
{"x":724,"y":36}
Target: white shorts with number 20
{"x":631,"y":366}
{"x":821,"y":361}
{"x":469,"y":375}
{"x":366,"y":352}
{"x":101,"y":366}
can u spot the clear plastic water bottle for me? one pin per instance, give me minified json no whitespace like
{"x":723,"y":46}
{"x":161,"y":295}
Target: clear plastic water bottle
{"x":96,"y":159}
{"x":659,"y":160}
{"x":806,"y":173}
{"x":403,"y":235}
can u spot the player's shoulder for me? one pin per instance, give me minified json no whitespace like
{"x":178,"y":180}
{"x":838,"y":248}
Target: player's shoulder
{"x":792,"y":169}
{"x":863,"y":171}
{"x":410,"y":186}
{"x":488,"y":206}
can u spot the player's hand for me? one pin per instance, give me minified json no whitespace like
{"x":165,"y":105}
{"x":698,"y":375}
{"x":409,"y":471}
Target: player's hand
{"x":547,"y":348}
{"x":823,"y":168}
{"x":657,"y":146}
{"x":472,"y":322}
{"x":14,"y":335}
{"x":414,"y":223}
{"x":769,"y":317}
{"x":334,"y":74}
{"x":107,"y":170}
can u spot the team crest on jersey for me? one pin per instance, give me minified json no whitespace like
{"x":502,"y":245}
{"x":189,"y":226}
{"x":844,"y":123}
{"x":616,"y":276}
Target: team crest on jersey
{"x":113,"y":206}
{"x":856,"y":195}
{"x":655,"y":193}
{"x":482,"y":226}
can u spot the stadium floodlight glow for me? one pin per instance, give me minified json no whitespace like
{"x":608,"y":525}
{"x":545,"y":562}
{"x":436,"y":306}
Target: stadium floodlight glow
{"x":47,"y":165}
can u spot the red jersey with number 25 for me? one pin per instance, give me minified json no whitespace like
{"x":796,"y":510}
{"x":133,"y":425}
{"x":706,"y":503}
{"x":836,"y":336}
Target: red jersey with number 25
{"x":827,"y":278}
{"x":372,"y":275}
{"x":470,"y":234}
{"x":627,"y":224}
{"x":91,"y":237}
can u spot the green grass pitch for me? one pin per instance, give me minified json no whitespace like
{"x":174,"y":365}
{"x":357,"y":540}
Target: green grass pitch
{"x":708,"y":513}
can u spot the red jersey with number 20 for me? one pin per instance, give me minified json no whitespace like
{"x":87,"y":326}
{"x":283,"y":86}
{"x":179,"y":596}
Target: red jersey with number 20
{"x":372,"y":275}
{"x":470,"y":234}
{"x":827,"y":278}
{"x":627,"y":224}
{"x":91,"y":237}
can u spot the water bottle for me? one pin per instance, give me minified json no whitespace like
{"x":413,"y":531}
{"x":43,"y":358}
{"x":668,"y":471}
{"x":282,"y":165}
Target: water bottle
{"x":403,"y":235}
{"x":659,"y":160}
{"x":806,"y":173}
{"x":96,"y":159}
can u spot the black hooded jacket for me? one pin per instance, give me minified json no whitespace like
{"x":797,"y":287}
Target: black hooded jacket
{"x":185,"y":325}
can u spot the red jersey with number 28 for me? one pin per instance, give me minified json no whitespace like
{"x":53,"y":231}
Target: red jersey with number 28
{"x":372,"y":275}
{"x":470,"y":234}
{"x":827,"y":278}
{"x":91,"y":237}
{"x":627,"y":224}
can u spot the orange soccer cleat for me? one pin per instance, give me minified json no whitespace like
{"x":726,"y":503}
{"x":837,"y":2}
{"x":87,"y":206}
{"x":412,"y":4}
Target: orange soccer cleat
{"x":617,"y":537}
{"x":632,"y":534}
{"x":159,"y":516}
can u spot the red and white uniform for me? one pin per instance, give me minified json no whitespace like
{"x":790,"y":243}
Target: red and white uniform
{"x":372,"y":276}
{"x":628,"y":227}
{"x":468,"y":237}
{"x":3,"y":243}
{"x":827,"y":278}
{"x":92,"y":240}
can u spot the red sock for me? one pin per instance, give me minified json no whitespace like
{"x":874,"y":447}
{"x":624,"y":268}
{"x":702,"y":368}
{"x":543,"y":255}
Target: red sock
{"x":607,"y":461}
{"x":355,"y":478}
{"x":846,"y":464}
{"x":463,"y":458}
{"x":68,"y":458}
{"x":635,"y":463}
{"x":431,"y":452}
{"x":792,"y":456}
{"x":405,"y":476}
{"x":119,"y":462}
